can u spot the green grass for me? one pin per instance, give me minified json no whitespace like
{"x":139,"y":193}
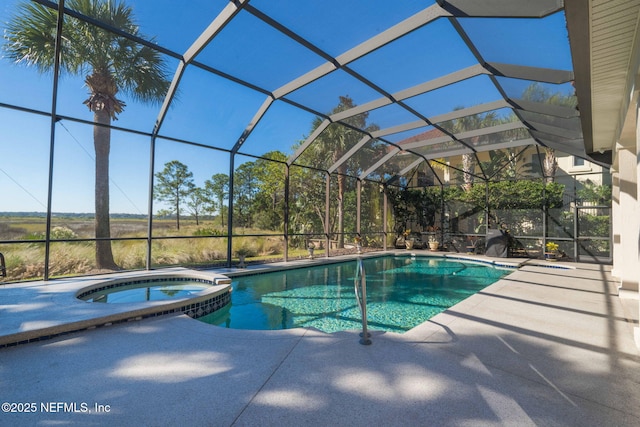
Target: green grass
{"x":25,"y":261}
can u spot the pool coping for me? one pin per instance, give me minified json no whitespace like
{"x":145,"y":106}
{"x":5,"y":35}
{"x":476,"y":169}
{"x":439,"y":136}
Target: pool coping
{"x":291,"y":265}
{"x":544,"y":346}
{"x":34,"y":311}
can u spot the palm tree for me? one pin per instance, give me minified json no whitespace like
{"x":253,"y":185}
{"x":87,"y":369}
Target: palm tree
{"x":332,"y":144}
{"x":549,"y":165}
{"x":467,"y":123}
{"x":538,"y":93}
{"x":110,"y":63}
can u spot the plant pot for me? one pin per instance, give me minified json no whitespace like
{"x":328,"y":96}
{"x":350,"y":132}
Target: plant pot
{"x":434,"y":246}
{"x":242,"y":258}
{"x":551,"y":256}
{"x":311,"y":252}
{"x":408,"y":244}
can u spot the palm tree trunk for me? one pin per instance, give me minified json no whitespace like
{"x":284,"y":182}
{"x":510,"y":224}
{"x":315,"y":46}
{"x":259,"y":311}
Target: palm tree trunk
{"x":467,"y":167}
{"x":102,"y":143}
{"x":550,"y":165}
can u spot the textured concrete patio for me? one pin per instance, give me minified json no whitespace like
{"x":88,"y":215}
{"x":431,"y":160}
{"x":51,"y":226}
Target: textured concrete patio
{"x":544,"y":346}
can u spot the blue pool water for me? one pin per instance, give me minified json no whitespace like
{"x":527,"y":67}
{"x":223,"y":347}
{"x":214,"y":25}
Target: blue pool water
{"x":402,"y":292}
{"x":148,"y":290}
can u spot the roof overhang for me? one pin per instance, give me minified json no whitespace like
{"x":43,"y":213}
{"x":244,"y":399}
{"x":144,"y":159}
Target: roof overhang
{"x":605,"y":44}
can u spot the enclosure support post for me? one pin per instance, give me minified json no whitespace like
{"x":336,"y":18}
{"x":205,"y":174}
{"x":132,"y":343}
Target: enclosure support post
{"x":286,"y":212}
{"x":442,"y":223}
{"x":358,"y":204}
{"x":230,"y":210}
{"x":576,"y":246}
{"x":486,"y":208}
{"x":152,"y":161}
{"x":52,"y":135}
{"x":385,"y":207}
{"x":3,"y":266}
{"x":327,"y":214}
{"x":545,"y":214}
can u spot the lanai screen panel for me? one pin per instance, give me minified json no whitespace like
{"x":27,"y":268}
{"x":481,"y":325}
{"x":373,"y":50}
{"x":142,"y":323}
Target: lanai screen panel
{"x":255,"y":52}
{"x":282,"y":128}
{"x":332,"y":143}
{"x":389,"y":116}
{"x":390,"y":67}
{"x":372,"y":217}
{"x":416,"y":57}
{"x":335,"y":25}
{"x":368,"y":155}
{"x":202,"y":113}
{"x":323,"y":95}
{"x":28,"y":190}
{"x":251,"y":77}
{"x":171,"y":27}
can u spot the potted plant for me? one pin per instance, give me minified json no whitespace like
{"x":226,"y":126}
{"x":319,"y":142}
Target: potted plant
{"x":407,"y":241}
{"x":242,"y":252}
{"x":472,"y":241}
{"x":358,"y":241}
{"x":311,"y":247}
{"x":433,"y":243}
{"x":551,"y":253}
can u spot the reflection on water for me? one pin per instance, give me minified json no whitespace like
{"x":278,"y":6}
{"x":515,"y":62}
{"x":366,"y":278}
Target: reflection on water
{"x":402,"y":292}
{"x":154,"y":291}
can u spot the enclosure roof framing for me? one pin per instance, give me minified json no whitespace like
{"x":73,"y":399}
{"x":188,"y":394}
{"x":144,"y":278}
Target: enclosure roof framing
{"x":444,"y":66}
{"x":386,"y":37}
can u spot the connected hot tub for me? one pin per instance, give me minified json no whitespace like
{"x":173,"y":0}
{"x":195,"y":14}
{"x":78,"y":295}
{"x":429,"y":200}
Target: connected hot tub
{"x":78,"y":304}
{"x":195,"y":295}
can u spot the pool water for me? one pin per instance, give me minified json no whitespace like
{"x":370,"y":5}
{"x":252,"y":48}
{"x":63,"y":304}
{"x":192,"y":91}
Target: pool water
{"x":402,"y":292}
{"x":149,"y":291}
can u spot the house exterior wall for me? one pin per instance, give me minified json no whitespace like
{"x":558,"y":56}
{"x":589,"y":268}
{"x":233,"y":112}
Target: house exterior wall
{"x":626,"y":207}
{"x":625,"y":232}
{"x":591,"y":171}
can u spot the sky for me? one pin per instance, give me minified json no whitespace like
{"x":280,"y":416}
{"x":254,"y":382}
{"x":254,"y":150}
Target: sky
{"x":214,"y":111}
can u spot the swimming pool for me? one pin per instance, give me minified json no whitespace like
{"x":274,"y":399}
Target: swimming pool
{"x":402,"y":292}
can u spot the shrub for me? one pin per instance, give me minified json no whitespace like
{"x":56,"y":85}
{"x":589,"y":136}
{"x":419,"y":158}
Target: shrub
{"x":207,"y":232}
{"x":62,"y":233}
{"x":57,"y":233}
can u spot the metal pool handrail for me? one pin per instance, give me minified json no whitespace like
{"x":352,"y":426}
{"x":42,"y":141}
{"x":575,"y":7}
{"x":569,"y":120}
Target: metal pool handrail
{"x":360,"y":281}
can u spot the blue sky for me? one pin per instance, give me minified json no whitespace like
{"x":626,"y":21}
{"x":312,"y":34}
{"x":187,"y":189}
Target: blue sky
{"x":213,"y":111}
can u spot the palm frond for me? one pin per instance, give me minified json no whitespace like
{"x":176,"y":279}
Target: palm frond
{"x":136,"y":70}
{"x":30,"y":36}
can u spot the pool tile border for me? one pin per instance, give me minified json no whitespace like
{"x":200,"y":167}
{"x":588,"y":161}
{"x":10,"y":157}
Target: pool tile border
{"x":201,"y":304}
{"x":194,"y":310}
{"x":119,"y":284}
{"x":207,"y":304}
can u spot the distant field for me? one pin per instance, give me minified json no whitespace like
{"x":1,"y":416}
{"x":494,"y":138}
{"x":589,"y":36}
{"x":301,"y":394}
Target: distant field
{"x":25,"y":227}
{"x":26,"y":260}
{"x":15,"y":228}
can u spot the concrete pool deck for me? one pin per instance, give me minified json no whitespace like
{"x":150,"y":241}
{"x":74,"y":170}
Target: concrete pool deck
{"x":543,"y":346}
